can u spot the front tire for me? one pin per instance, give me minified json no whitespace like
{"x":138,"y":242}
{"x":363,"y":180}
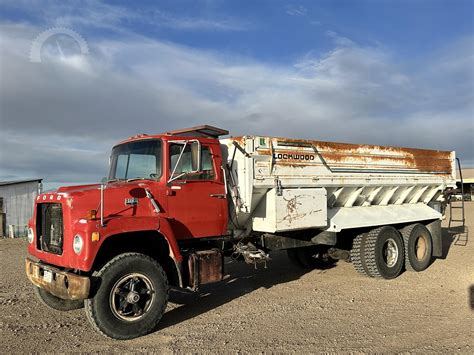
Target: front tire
{"x":57,"y":303}
{"x":131,"y":298}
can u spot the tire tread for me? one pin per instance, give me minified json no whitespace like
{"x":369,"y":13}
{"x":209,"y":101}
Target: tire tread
{"x":406,"y":232}
{"x":57,"y":303}
{"x":357,"y":255}
{"x":369,"y":252}
{"x":90,"y":314}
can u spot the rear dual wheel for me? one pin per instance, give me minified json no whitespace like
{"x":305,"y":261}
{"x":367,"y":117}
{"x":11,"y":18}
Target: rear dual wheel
{"x":384,"y":253}
{"x":418,"y":247}
{"x":379,"y":253}
{"x":358,"y":255}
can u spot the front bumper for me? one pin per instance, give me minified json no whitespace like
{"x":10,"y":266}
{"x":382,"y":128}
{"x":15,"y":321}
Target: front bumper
{"x":62,"y":284}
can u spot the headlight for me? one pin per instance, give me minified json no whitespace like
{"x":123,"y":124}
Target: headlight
{"x":77,"y":244}
{"x":31,"y":235}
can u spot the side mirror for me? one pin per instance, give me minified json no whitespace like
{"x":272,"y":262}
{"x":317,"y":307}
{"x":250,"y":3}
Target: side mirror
{"x":196,"y":156}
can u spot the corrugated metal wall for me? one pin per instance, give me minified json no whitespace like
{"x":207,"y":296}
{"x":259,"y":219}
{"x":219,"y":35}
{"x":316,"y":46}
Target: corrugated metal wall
{"x":18,"y":201}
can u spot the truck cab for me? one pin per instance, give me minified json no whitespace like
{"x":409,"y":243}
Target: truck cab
{"x":184,"y":174}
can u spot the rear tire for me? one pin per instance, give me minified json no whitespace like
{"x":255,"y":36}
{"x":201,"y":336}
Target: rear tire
{"x":57,"y":303}
{"x":418,"y":247}
{"x":131,"y":298}
{"x":384,"y":252}
{"x":358,"y":256}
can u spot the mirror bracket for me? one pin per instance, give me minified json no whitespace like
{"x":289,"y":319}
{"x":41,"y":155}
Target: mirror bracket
{"x":195,"y":157}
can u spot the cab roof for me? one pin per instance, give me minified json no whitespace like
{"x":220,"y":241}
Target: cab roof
{"x":200,"y":131}
{"x":203,"y":131}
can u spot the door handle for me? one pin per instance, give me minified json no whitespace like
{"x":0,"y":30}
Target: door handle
{"x":217,"y":195}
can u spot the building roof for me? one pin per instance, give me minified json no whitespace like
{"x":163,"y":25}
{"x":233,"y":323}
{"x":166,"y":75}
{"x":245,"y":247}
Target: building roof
{"x":467,"y":175}
{"x":13,"y":182}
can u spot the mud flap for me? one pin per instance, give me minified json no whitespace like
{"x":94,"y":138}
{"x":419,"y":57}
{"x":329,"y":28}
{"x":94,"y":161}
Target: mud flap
{"x":436,"y":237}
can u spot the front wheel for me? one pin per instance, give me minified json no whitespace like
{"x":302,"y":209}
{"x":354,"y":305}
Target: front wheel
{"x":131,"y":297}
{"x":55,"y":302}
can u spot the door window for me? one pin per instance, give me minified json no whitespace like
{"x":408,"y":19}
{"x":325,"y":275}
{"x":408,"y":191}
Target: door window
{"x":184,"y":167}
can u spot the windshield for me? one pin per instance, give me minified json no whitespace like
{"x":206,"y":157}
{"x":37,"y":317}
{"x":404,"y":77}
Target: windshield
{"x":136,"y":160}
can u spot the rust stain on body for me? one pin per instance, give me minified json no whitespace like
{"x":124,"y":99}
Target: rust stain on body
{"x":292,"y":209}
{"x":359,"y":156}
{"x":62,"y":284}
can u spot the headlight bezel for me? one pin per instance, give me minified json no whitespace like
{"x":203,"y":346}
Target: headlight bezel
{"x":30,"y":235}
{"x":77,"y":244}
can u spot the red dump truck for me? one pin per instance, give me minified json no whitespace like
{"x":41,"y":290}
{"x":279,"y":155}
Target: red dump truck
{"x":175,"y":204}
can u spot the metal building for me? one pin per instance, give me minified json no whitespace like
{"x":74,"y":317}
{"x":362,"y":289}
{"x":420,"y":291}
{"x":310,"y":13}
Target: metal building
{"x":16,"y":205}
{"x":468,"y":183}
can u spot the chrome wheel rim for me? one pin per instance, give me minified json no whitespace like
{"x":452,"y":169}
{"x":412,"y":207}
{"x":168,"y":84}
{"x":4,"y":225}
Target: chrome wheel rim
{"x":131,"y":297}
{"x":390,"y":252}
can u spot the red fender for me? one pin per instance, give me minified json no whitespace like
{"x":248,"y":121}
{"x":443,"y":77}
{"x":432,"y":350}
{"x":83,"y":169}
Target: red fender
{"x":167,"y":232}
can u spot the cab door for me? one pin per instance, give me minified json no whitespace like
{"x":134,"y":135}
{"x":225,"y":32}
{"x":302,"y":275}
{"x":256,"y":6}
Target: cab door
{"x":197,"y":202}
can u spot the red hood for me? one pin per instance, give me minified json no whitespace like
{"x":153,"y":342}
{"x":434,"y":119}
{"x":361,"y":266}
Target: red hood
{"x":120,"y":216}
{"x":83,"y":198}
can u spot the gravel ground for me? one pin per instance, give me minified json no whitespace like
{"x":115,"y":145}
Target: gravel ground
{"x":279,"y":309}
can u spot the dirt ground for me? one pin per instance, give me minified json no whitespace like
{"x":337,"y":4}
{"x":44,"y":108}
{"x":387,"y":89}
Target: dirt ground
{"x":278,"y":309}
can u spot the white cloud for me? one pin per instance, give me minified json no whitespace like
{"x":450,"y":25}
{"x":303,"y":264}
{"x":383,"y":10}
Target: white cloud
{"x":97,"y":14}
{"x":296,"y":10}
{"x":163,"y":19}
{"x":59,"y":120}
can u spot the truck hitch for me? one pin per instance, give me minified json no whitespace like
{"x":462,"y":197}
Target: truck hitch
{"x":251,"y":254}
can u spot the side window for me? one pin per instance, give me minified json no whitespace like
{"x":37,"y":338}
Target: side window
{"x":184,"y":166}
{"x":206,"y":164}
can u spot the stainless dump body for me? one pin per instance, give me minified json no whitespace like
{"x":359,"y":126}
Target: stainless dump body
{"x":280,"y":184}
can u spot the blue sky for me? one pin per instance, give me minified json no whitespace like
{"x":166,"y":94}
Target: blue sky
{"x":383,"y":72}
{"x":274,"y":31}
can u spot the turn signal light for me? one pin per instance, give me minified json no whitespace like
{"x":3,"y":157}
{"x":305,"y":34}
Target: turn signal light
{"x":92,"y":214}
{"x":95,"y":236}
